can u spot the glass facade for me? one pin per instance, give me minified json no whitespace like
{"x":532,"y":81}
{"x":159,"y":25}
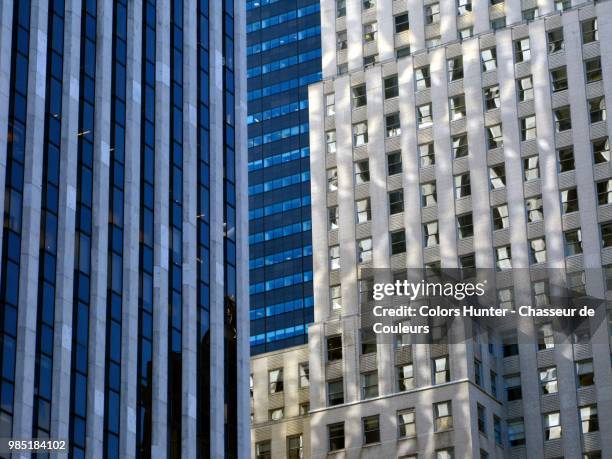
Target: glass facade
{"x":283,"y":57}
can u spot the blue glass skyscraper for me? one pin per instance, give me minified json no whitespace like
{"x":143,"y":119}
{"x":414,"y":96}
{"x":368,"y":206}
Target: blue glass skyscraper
{"x":283,"y":58}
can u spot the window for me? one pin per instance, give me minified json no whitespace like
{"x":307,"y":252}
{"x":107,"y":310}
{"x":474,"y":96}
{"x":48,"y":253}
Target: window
{"x":368,"y":340}
{"x":563,"y":119}
{"x":497,"y":176}
{"x":427,"y":155}
{"x":497,"y":428}
{"x":275,"y":380}
{"x":573,"y":242}
{"x":398,"y":242}
{"x":455,"y":68}
{"x":509,"y":344}
{"x":332,"y":218}
{"x":467,"y":261}
{"x":482,"y":418}
{"x":498,"y":23}
{"x":360,"y":134}
{"x":491,"y":97}
{"x":488,"y":58}
{"x":522,"y":50}
{"x":335,"y":433}
{"x":431,"y":235}
{"x":494,"y":136}
{"x":505,"y":298}
{"x":552,"y":425}
{"x":330,"y":141}
{"x":341,"y":40}
{"x":363,"y":210}
{"x":441,"y":370}
{"x":304,"y":374}
{"x":516,"y":432}
{"x":589,"y":31}
{"x":342,"y":69}
{"x":493,"y":377}
{"x":465,"y":226}
{"x":601,"y":150}
{"x":295,"y":447}
{"x":396,"y":202}
{"x":364,"y":250}
{"x":504,"y":257}
{"x":457,"y":107}
{"x":464,"y":6}
{"x":335,"y":392}
{"x":429,"y":196}
{"x":334,"y":348}
{"x":424,"y":117}
{"x":537,"y":250}
{"x":548,"y":380}
{"x":500,"y":217}
{"x":443,"y":416}
{"x":362,"y":171}
{"x":446,"y":453}
{"x":401,"y":23}
{"x":569,"y":200}
{"x":402,"y":52}
{"x":391,"y":87}
{"x":263,"y":450}
{"x":432,"y":13}
{"x":540,"y":293}
{"x":330,"y":104}
{"x":531,"y":168}
{"x":462,"y":186}
{"x":597,"y":109}
{"x":576,"y":283}
{"x":360,"y":97}
{"x":405,"y":377}
{"x":606,"y":234}
{"x":402,"y":339}
{"x":334,"y":257}
{"x":512,"y":384}
{"x":566,"y":159}
{"x":535,"y":212}
{"x":604,"y":192}
{"x":584,"y":372}
{"x":555,"y":40}
{"x":369,"y":32}
{"x":525,"y":89}
{"x":340,"y":8}
{"x":460,"y":146}
{"x":407,"y":423}
{"x":592,"y":68}
{"x":467,"y":32}
{"x":394,"y":163}
{"x":562,"y":5}
{"x":369,"y":385}
{"x":422,"y":78}
{"x":335,"y":294}
{"x":367,"y":4}
{"x":528,"y":128}
{"x":558,"y":79}
{"x":303,"y":408}
{"x":589,"y":419}
{"x":332,"y":179}
{"x":370,"y":60}
{"x":371,"y":430}
{"x":392,"y":123}
{"x":251,"y":384}
{"x":276,"y":414}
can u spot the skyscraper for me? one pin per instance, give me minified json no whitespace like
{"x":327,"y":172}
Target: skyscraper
{"x":123,"y":178}
{"x":283,"y":57}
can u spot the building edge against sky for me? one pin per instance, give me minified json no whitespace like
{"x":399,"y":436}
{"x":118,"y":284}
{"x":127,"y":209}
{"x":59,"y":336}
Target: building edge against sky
{"x":124,"y":275}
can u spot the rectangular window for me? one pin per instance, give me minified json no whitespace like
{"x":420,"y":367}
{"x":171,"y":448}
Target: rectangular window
{"x":335,"y":294}
{"x":497,"y":428}
{"x":478,"y":373}
{"x":335,"y":392}
{"x":392,"y":123}
{"x":503,"y":257}
{"x":512,"y":384}
{"x":334,"y":348}
{"x":597,"y":109}
{"x":498,"y":23}
{"x":558,"y":79}
{"x":573,"y":242}
{"x":552,"y":425}
{"x":363,"y":210}
{"x":431,"y":235}
{"x":402,"y":52}
{"x":501,"y":219}
{"x":362,"y":171}
{"x":391,"y":87}
{"x":398,"y":242}
{"x":371,"y":430}
{"x":367,"y":4}
{"x":525,"y":89}
{"x":429,"y":195}
{"x":491,"y":97}
{"x":604,"y":192}
{"x":495,"y":136}
{"x":505,"y":299}
{"x":427,"y":155}
{"x":335,"y":433}
{"x":406,"y":423}
{"x":295,"y":447}
{"x":396,"y":202}
{"x":424,"y":116}
{"x":466,"y":32}
{"x":569,"y":200}
{"x":334,"y":257}
{"x":432,"y":13}
{"x":606,"y":234}
{"x":562,"y":5}
{"x":330,"y":141}
{"x":601,"y":150}
{"x":360,"y":134}
{"x":422,"y":78}
{"x":585,"y":374}
{"x":516,"y":432}
{"x":463,"y":187}
{"x":332,"y":214}
{"x":364,"y":250}
{"x":341,"y":40}
{"x":541,"y":293}
{"x":555,"y":40}
{"x":482,"y":418}
{"x":590,"y":33}
{"x":276,"y":414}
{"x":402,"y":23}
{"x":488,"y":59}
{"x":405,"y":377}
{"x":537,"y":250}
{"x":359,"y":96}
{"x":528,"y":128}
{"x":275,"y":380}
{"x":464,"y":6}
{"x":370,"y":32}
{"x":522,"y":50}
{"x":368,"y":340}
{"x":497,"y":176}
{"x":531,"y":168}
{"x":441,"y":370}
{"x":592,"y":69}
{"x":394,"y":163}
{"x":332,"y":179}
{"x":566,"y":159}
{"x":445,"y":453}
{"x":457,"y":107}
{"x":330,"y":104}
{"x":589,"y":419}
{"x":443,"y":416}
{"x":465,"y":226}
{"x":369,"y":385}
{"x":340,"y":8}
{"x":493,"y":377}
{"x":548,"y":380}
{"x":563,"y":119}
{"x":455,"y":68}
{"x":460,"y":146}
{"x":535,"y":209}
{"x":263,"y":450}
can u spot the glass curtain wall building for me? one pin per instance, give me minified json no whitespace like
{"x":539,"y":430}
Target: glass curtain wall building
{"x":123,"y":182}
{"x":283,"y":57}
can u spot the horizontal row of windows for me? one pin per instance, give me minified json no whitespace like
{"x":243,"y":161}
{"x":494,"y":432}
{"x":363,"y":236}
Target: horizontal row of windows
{"x":283,"y":86}
{"x":284,"y":17}
{"x":284,"y":40}
{"x":284,"y":63}
{"x":280,"y":257}
{"x":278,"y":207}
{"x":279,"y":183}
{"x":270,"y":137}
{"x":277,"y":335}
{"x":283,"y":231}
{"x":280,"y":282}
{"x":252,"y":4}
{"x":279,"y":158}
{"x":278,"y":111}
{"x":281,"y":308}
